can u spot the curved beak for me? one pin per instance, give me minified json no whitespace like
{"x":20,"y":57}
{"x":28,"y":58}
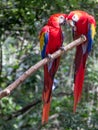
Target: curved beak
{"x":71,"y":23}
{"x":64,"y":22}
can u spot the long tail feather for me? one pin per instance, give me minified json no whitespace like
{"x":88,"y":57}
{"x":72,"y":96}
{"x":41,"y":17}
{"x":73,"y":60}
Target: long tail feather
{"x":80,"y":62}
{"x":78,"y":86}
{"x":45,"y":115}
{"x":47,"y":92}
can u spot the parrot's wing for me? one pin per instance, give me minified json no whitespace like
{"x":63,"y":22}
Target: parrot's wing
{"x":44,"y":37}
{"x":91,"y":32}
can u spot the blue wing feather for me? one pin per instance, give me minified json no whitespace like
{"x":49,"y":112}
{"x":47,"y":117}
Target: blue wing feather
{"x":46,"y":38}
{"x":90,"y":40}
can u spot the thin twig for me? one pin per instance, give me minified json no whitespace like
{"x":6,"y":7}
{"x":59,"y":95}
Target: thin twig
{"x":37,"y":66}
{"x":24,"y":109}
{"x":32,"y":105}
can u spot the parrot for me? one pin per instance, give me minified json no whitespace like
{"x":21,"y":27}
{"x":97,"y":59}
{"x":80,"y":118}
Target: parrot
{"x":51,"y":39}
{"x":81,"y":23}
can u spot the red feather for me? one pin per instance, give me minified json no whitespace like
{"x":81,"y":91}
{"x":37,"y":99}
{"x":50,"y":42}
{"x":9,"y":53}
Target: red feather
{"x":80,"y":62}
{"x":47,"y":92}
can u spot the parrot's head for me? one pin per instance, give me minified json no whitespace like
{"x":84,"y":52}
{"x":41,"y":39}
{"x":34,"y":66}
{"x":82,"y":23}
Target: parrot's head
{"x":57,"y":20}
{"x":76,"y":17}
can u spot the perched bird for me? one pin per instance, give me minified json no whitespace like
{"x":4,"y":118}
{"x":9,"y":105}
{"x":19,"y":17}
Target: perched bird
{"x":51,"y":39}
{"x":81,"y":23}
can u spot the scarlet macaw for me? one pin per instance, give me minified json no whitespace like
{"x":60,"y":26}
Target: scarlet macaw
{"x":51,"y":39}
{"x":81,"y":23}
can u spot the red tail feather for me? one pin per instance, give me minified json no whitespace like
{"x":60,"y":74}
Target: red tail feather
{"x":80,"y":61}
{"x":45,"y":115}
{"x":78,"y":85}
{"x":47,"y":92}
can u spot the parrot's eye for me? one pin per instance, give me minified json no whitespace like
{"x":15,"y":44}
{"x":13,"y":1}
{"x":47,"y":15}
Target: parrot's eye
{"x":75,"y":18}
{"x":61,"y":17}
{"x":61,"y":20}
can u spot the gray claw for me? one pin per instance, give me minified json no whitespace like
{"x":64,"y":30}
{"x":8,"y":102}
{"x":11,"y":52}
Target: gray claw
{"x":50,"y":57}
{"x":62,"y":48}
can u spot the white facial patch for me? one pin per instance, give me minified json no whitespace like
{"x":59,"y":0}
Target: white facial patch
{"x":75,"y":18}
{"x":61,"y":19}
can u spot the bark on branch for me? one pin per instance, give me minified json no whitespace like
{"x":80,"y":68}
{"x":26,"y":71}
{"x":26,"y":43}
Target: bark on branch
{"x":37,"y":66}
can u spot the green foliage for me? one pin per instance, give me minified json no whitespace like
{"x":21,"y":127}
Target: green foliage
{"x":20,"y":24}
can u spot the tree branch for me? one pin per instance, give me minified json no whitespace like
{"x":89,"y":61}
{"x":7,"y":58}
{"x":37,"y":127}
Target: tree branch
{"x":37,"y":66}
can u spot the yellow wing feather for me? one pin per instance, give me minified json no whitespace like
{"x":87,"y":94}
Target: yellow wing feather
{"x":93,"y":30}
{"x":42,"y":41}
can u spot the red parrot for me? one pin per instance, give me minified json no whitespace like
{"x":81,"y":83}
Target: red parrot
{"x":81,"y":23}
{"x":51,"y":39}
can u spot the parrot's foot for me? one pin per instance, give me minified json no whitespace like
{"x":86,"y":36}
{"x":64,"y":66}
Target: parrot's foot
{"x":50,"y":57}
{"x":83,"y":37}
{"x":62,"y":48}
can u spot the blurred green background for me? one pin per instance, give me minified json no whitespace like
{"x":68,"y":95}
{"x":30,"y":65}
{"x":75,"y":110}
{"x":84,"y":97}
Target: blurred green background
{"x":20,"y":25}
